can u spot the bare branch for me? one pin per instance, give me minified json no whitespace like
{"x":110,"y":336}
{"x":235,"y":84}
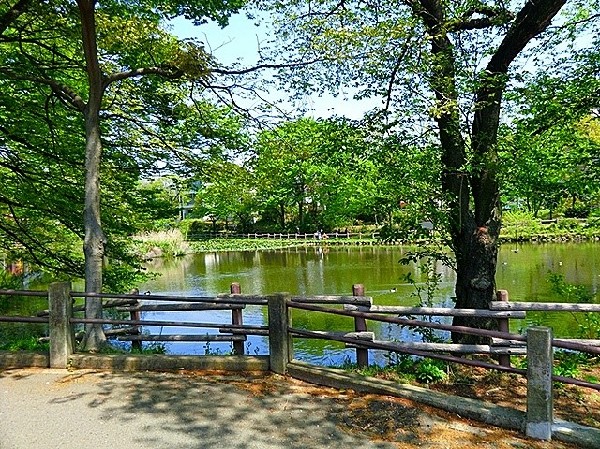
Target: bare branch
{"x":168,"y":72}
{"x":221,"y":71}
{"x":392,"y":80}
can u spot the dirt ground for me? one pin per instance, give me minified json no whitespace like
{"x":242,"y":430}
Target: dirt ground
{"x":571,"y":403}
{"x":412,"y":425}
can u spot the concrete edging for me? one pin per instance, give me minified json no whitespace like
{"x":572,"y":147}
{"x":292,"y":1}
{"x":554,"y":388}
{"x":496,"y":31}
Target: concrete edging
{"x":499,"y":416}
{"x":128,"y":362}
{"x":14,"y":360}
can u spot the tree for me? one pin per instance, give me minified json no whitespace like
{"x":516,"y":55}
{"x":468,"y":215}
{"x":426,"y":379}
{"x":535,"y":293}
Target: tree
{"x":316,"y":172}
{"x":463,"y":51}
{"x":132,"y":45}
{"x":549,"y":152}
{"x":407,"y":183}
{"x":227,"y":195}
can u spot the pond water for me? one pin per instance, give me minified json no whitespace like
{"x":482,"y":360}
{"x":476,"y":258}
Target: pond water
{"x":523,"y":270}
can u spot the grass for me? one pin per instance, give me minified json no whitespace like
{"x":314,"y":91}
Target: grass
{"x":23,"y":337}
{"x":160,"y":244}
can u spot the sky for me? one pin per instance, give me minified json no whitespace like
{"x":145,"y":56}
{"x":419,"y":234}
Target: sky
{"x":240,"y":42}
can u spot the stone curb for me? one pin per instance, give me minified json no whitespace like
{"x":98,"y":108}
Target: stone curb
{"x":168,"y":362}
{"x":504,"y":417}
{"x":13,"y":360}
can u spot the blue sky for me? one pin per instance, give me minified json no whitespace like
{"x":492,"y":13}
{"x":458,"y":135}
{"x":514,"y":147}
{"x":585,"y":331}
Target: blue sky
{"x":240,"y":42}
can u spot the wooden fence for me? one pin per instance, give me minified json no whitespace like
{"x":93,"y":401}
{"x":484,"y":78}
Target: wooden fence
{"x":537,"y":344}
{"x":306,"y":236}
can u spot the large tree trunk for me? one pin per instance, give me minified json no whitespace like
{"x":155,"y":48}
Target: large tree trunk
{"x":94,"y":240}
{"x":472,"y":192}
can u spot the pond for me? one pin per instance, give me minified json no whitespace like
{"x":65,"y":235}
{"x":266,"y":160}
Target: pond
{"x":523,"y":270}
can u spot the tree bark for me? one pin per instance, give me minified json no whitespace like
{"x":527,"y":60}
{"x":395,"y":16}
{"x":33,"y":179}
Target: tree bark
{"x":94,"y":239}
{"x":472,"y":193}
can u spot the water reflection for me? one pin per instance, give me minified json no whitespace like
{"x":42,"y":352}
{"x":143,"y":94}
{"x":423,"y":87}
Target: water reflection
{"x":522,"y":270}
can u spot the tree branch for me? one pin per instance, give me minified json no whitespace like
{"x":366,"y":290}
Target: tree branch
{"x":61,"y":90}
{"x":168,"y":72}
{"x":492,"y":17}
{"x":12,"y":14}
{"x":220,"y":71}
{"x":531,"y":20}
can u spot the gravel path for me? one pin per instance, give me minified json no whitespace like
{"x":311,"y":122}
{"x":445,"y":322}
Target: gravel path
{"x":83,"y":409}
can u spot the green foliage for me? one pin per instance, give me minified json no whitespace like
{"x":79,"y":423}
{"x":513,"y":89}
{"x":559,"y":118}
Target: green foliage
{"x":314,"y":174}
{"x":9,"y":281}
{"x":160,"y":244}
{"x":227,"y":195}
{"x":146,"y":122}
{"x":548,"y":151}
{"x":210,"y":245}
{"x":29,"y":343}
{"x":578,"y":211}
{"x":426,"y":288}
{"x":403,"y":368}
{"x":567,"y":364}
{"x":569,"y":292}
{"x":22,"y":336}
{"x":589,"y":326}
{"x":152,"y":348}
{"x":520,"y":224}
{"x":430,"y":371}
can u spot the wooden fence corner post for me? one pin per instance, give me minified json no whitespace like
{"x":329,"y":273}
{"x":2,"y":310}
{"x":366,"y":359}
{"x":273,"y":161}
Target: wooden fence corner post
{"x":59,"y":326}
{"x":539,"y":383}
{"x":278,"y":332}
{"x":503,"y":326}
{"x":237,"y":318}
{"x":360,"y":325}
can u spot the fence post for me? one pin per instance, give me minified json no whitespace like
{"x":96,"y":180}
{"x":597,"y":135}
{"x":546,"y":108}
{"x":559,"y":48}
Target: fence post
{"x":237,"y":319}
{"x":136,"y":315}
{"x":59,"y":327}
{"x":278,"y":333}
{"x":502,"y":295}
{"x":360,"y":325}
{"x":539,"y":383}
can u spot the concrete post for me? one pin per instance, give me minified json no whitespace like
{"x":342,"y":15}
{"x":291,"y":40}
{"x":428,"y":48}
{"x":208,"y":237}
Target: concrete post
{"x":60,"y":330}
{"x":360,"y":325}
{"x":278,"y":333}
{"x":539,"y":383}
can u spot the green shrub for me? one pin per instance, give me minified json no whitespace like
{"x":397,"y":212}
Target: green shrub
{"x":579,"y":211}
{"x":429,"y":371}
